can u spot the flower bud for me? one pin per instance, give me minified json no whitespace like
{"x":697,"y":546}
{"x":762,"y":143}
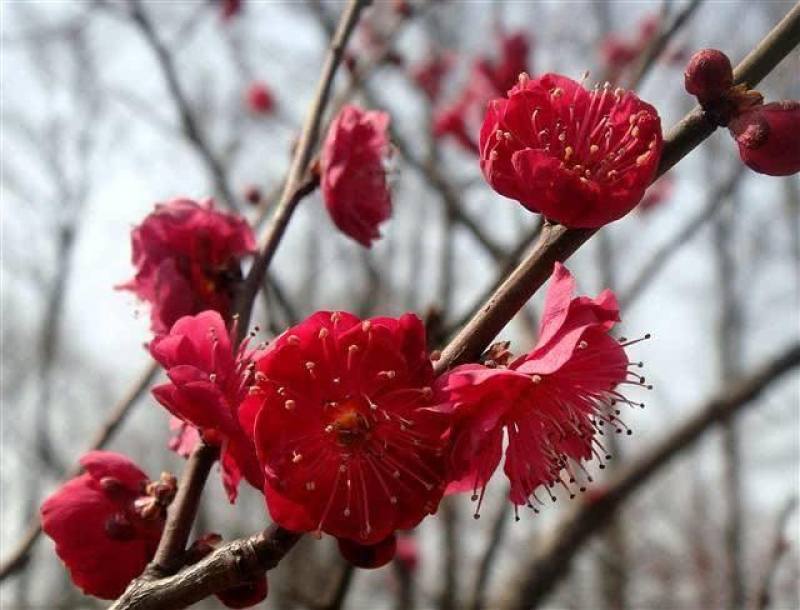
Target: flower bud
{"x":368,"y":556}
{"x":768,"y":140}
{"x":708,"y":75}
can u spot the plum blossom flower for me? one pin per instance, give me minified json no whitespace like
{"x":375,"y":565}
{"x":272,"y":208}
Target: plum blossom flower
{"x":207,"y":382}
{"x":107,"y":522}
{"x":548,"y":403}
{"x":187,"y":258}
{"x":581,"y":158}
{"x":353,"y":173}
{"x":346,"y":430}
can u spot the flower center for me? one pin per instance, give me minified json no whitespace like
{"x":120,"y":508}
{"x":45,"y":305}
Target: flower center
{"x":349,"y":425}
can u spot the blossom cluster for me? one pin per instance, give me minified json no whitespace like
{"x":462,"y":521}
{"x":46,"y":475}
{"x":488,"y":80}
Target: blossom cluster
{"x":340,"y":422}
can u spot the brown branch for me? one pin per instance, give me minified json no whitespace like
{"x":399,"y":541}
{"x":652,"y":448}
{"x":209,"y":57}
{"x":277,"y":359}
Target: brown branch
{"x":550,"y":563}
{"x":18,"y":558}
{"x":169,"y":555}
{"x":558,"y":243}
{"x":762,"y":597}
{"x":226,"y":567}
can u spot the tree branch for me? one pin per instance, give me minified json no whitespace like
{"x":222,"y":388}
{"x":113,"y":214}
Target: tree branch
{"x":779,"y":547}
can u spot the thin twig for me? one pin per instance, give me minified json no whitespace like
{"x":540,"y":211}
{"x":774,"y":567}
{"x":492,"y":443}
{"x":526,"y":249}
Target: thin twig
{"x":296,"y":182}
{"x":762,"y":598}
{"x":189,"y":124}
{"x":20,"y":555}
{"x":182,"y":512}
{"x":659,"y":44}
{"x":541,"y":574}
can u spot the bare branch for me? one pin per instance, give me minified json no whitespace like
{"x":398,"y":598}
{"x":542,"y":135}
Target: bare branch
{"x":779,"y":547}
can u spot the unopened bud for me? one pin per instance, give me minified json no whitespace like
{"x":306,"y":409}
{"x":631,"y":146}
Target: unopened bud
{"x":708,"y":75}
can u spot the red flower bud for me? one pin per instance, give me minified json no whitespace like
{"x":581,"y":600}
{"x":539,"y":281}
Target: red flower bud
{"x":354,"y":183}
{"x":708,"y":75}
{"x":260,"y":99}
{"x":768,"y":138}
{"x":368,"y":556}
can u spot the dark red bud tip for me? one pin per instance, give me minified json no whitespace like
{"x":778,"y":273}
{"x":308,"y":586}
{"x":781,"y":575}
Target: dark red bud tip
{"x":708,"y":75}
{"x":368,"y":556}
{"x":111,"y":485}
{"x":119,"y":527}
{"x":253,"y":194}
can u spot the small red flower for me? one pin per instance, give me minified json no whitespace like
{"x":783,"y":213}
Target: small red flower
{"x":207,"y":382}
{"x":353,"y":170}
{"x":187,"y":257}
{"x":578,"y":157}
{"x":549,"y":402}
{"x":107,"y":522}
{"x":769,"y":138}
{"x":453,"y":121}
{"x":260,"y":99}
{"x":346,"y":429}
